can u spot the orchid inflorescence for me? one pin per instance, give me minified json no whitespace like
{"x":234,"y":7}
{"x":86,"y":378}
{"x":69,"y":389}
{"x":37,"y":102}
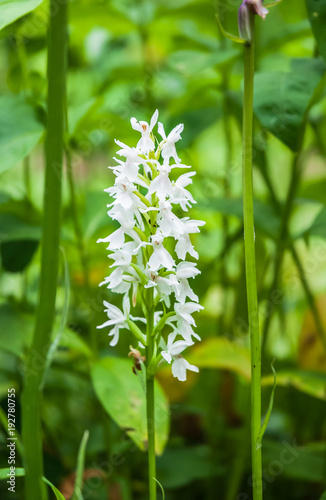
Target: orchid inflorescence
{"x":150,"y":247}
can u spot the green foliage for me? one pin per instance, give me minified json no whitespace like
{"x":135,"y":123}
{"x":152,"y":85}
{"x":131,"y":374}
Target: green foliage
{"x":122,"y":396}
{"x":317,"y":18}
{"x":20,"y":130}
{"x":10,"y":11}
{"x":223,"y":354}
{"x":282,"y":100}
{"x":312,"y":383}
{"x":127,"y":58}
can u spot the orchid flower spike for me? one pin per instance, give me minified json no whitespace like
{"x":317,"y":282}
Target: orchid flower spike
{"x":148,"y":251}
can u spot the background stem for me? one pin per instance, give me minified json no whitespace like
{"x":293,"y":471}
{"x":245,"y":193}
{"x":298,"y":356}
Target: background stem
{"x":251,"y":280}
{"x":31,"y":410}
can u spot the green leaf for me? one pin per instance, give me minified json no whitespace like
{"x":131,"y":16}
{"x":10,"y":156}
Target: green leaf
{"x":58,"y":494}
{"x":80,"y":468}
{"x":14,"y":228}
{"x":20,"y":130}
{"x":221,"y":353}
{"x":266,"y":219}
{"x":11,"y":10}
{"x":121,"y":394}
{"x":19,"y":472}
{"x":19,"y":236}
{"x":317,"y":17}
{"x":323,"y":497}
{"x":15,"y":256}
{"x":282,"y":100}
{"x":311,"y":383}
{"x":318,"y":227}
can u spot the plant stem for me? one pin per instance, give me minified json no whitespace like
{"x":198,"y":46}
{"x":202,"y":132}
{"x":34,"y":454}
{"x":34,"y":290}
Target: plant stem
{"x":150,"y":409}
{"x":36,"y":361}
{"x":251,"y":280}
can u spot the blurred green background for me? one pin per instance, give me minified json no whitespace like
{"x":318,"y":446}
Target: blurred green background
{"x":127,"y":58}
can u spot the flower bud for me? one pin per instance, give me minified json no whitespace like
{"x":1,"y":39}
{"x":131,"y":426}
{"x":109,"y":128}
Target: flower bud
{"x":244,"y":21}
{"x":247,"y":6}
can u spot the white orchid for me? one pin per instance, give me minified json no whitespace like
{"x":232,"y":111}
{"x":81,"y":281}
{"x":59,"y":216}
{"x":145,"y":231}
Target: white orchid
{"x":149,"y":248}
{"x":116,"y":319}
{"x":146,"y":143}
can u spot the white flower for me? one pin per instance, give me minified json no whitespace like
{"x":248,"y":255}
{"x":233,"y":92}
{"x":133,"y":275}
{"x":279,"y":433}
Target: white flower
{"x":184,"y":271}
{"x":160,"y":256}
{"x":168,"y":146}
{"x":123,"y":192}
{"x":185,"y":311}
{"x":169,"y":223}
{"x":180,"y":367}
{"x":174,"y":348}
{"x":144,"y":198}
{"x":146,"y":143}
{"x":164,"y":285}
{"x":116,"y":319}
{"x":162,"y":185}
{"x":180,"y":194}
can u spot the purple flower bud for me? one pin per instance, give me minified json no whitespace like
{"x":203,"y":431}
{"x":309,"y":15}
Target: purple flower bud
{"x":257,"y":8}
{"x":244,"y":21}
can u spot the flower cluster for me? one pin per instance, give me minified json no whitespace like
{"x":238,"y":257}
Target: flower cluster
{"x":150,"y":247}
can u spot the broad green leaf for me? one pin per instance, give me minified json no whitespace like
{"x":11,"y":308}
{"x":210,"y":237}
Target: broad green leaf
{"x":312,"y":383}
{"x":80,"y":468}
{"x":323,"y":497}
{"x":123,"y":398}
{"x":20,"y":130}
{"x":282,"y":100}
{"x":317,"y":17}
{"x":11,"y":10}
{"x":221,"y":353}
{"x":265,"y":218}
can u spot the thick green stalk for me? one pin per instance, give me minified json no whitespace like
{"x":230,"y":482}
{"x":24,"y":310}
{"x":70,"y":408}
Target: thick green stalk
{"x":250,"y":259}
{"x":31,"y":403}
{"x":150,"y":401}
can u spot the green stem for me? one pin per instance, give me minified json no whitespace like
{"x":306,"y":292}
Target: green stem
{"x":150,"y":402}
{"x":251,"y":279}
{"x":31,"y":401}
